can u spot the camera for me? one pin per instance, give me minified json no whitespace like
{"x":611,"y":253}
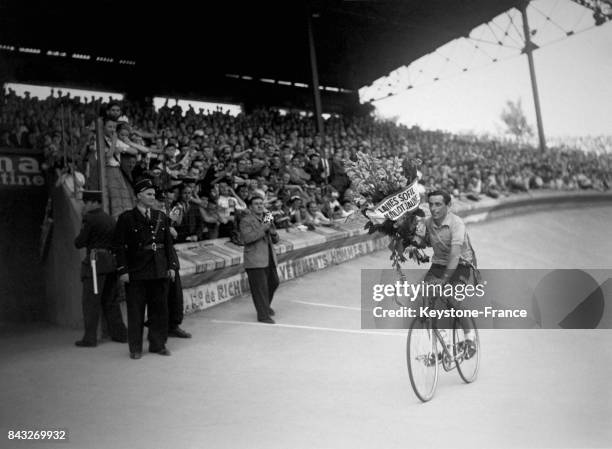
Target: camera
{"x":268,"y":218}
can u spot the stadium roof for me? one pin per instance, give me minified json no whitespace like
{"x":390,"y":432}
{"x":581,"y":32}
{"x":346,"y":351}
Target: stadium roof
{"x":356,"y":41}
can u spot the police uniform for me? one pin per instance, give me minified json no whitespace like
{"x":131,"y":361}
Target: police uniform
{"x":143,"y":247}
{"x":96,"y":236}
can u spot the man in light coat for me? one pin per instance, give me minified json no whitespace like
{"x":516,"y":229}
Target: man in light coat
{"x":259,"y":236}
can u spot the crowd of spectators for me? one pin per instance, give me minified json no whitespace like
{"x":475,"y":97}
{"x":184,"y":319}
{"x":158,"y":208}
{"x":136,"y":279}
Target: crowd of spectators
{"x":206,"y":164}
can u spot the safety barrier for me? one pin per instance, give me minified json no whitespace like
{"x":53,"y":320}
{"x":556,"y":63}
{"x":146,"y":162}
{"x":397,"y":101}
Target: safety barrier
{"x":212,"y":273}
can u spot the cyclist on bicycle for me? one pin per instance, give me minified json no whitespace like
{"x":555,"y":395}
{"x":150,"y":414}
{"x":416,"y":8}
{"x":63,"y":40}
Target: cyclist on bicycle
{"x":454,"y":260}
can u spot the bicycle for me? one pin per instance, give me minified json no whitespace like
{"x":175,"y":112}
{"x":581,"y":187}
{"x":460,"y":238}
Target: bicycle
{"x":426,"y":350}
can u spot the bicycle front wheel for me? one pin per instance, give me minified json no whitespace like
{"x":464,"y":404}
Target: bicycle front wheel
{"x":467,"y":353}
{"x":422,"y":359}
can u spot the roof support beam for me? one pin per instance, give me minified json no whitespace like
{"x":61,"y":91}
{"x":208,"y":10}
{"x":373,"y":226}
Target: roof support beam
{"x":318,"y":109}
{"x":528,"y":50}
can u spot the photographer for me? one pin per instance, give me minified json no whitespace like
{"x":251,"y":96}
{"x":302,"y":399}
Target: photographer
{"x":259,"y":236}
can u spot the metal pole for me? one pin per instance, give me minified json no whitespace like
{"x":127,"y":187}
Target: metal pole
{"x":63,"y":136}
{"x":528,"y":50}
{"x":73,"y":162}
{"x":101,"y":163}
{"x":165,"y":184}
{"x":315,"y":74}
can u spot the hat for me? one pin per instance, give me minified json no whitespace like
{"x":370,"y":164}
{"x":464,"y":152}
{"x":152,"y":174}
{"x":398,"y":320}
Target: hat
{"x":199,"y":132}
{"x":92,"y":195}
{"x":295,"y":197}
{"x":142,"y":185}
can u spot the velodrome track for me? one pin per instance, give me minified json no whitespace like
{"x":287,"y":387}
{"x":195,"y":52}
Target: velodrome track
{"x":317,"y":380}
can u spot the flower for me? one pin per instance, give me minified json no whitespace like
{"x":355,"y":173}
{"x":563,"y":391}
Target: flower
{"x":375,"y":180}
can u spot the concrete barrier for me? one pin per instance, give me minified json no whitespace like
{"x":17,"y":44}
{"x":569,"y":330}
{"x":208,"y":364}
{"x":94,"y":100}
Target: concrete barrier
{"x":212,"y":273}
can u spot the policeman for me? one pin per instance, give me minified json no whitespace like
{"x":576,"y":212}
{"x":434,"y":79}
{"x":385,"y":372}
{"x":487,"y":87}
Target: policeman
{"x":146,"y":263}
{"x":98,"y":272}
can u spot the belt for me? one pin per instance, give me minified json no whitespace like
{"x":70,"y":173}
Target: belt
{"x":154,"y":246}
{"x":97,"y":250}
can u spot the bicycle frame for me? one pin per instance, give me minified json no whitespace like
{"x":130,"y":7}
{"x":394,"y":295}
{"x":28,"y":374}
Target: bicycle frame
{"x":445,"y":352}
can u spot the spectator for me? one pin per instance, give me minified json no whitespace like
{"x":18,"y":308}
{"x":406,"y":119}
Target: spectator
{"x":120,"y":195}
{"x":347,"y":209}
{"x":315,"y":169}
{"x":189,"y":222}
{"x":338,"y":176}
{"x":297,"y":174}
{"x":281,"y":153}
{"x":296,"y":210}
{"x":330,"y":203}
{"x":281,"y":217}
{"x":128,"y":163}
{"x":211,"y":217}
{"x":474,"y":188}
{"x":314,"y":217}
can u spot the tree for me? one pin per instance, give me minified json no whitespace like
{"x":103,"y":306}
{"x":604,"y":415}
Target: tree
{"x":516,"y":122}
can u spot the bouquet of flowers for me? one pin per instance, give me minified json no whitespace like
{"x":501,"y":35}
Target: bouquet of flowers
{"x":391,"y":202}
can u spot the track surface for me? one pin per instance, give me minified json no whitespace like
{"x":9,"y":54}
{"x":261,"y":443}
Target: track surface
{"x":317,"y":380}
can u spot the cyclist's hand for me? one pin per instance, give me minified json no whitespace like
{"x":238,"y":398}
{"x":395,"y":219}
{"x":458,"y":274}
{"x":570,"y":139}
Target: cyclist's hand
{"x":420,"y":229}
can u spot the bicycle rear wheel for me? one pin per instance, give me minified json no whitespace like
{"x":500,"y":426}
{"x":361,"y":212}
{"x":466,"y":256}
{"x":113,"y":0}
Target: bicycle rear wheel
{"x":467,"y":356}
{"x":422,"y":359}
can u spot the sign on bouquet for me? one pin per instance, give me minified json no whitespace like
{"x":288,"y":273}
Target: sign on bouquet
{"x":395,"y":206}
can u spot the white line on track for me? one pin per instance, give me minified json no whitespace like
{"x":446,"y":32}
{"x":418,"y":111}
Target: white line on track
{"x":400,"y":332}
{"x":332,"y":306}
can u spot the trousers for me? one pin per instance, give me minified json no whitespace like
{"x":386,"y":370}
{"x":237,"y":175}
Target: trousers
{"x":463,"y":275}
{"x":152,"y":295}
{"x":263,"y":283}
{"x":175,"y":302}
{"x":106,"y":301}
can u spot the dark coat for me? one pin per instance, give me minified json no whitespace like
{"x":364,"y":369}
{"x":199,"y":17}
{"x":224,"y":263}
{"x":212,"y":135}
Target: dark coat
{"x":132,"y":234}
{"x":317,"y":173}
{"x":192,"y":224}
{"x":338,"y":177}
{"x":97,"y":233}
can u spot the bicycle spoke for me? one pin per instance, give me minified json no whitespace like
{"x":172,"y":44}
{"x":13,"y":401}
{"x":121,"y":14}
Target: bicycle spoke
{"x":466,"y":353}
{"x":422,"y":360}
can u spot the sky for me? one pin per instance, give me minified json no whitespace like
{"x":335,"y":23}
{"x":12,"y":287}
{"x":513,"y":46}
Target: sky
{"x":574,"y":77}
{"x":37,"y":91}
{"x":234,"y":109}
{"x":44,"y":91}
